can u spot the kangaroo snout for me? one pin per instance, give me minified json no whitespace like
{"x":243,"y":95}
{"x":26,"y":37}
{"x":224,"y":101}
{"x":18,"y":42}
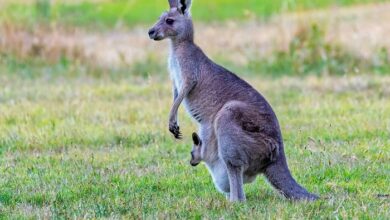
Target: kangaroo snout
{"x":153,"y":34}
{"x":193,"y":161}
{"x":194,"y":164}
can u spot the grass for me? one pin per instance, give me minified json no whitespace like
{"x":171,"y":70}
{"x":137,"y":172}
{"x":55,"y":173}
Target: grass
{"x":108,"y":14}
{"x":82,"y":144}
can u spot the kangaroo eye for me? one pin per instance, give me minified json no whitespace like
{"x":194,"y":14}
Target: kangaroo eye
{"x":169,"y":21}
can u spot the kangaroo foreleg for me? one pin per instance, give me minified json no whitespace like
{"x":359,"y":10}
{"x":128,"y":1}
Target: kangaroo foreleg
{"x":173,"y":126}
{"x":175,"y":93}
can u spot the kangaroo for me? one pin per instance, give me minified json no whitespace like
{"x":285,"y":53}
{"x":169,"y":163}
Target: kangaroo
{"x":217,"y":169}
{"x":238,"y":130}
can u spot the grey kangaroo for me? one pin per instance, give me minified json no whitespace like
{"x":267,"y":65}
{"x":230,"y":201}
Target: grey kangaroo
{"x":239,"y":133}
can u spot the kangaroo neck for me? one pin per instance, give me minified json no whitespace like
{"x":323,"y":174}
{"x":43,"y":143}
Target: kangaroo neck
{"x":178,"y":45}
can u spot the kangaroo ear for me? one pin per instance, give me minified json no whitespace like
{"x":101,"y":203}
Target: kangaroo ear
{"x":196,"y":139}
{"x":184,"y":6}
{"x":173,"y":3}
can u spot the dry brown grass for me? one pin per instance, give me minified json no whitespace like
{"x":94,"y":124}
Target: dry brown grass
{"x":48,"y":43}
{"x":360,"y":29}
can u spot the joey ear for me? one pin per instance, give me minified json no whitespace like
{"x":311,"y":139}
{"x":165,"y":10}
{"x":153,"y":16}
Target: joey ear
{"x":196,"y":139}
{"x":173,"y":3}
{"x":184,"y":6}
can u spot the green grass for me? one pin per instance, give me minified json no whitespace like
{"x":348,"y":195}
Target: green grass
{"x":128,"y":13}
{"x":77,"y":143}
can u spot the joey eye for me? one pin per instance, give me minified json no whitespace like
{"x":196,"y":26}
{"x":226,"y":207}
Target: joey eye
{"x":169,"y":21}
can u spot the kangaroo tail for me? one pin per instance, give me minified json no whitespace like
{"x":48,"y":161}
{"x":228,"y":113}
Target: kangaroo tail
{"x":280,"y":177}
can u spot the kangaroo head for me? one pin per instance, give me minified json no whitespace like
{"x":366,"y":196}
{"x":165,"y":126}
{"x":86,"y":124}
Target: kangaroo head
{"x":175,"y":24}
{"x":196,"y":153}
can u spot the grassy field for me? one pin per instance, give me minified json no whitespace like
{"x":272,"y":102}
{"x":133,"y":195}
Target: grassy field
{"x":84,"y":140}
{"x":84,"y":146}
{"x":108,"y":14}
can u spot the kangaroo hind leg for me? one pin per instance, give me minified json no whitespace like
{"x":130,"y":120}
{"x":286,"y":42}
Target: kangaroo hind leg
{"x":236,"y":183}
{"x":229,"y":138}
{"x":234,"y":161}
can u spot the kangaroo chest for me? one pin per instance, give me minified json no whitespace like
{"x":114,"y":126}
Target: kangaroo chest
{"x":177,"y":78}
{"x":192,"y":106}
{"x":175,"y":71}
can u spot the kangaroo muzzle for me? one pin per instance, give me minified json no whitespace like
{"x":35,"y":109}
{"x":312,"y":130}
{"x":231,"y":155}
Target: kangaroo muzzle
{"x":153,"y":34}
{"x":194,"y":164}
{"x":193,"y":161}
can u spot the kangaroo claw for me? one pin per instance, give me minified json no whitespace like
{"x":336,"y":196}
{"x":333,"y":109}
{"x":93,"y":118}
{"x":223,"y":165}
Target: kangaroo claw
{"x":175,"y":130}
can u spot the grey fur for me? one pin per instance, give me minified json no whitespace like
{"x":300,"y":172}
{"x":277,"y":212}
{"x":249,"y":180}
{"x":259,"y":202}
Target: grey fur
{"x":172,"y":3}
{"x":239,"y":132}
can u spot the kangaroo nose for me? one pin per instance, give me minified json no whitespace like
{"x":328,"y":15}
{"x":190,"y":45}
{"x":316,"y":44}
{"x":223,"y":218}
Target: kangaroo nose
{"x":151,"y":32}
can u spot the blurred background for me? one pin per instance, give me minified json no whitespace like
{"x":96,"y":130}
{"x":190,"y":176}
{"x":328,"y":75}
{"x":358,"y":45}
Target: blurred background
{"x":85,"y":96}
{"x":290,"y":37}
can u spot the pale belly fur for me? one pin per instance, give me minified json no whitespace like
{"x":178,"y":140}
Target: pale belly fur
{"x":175,"y":72}
{"x":220,"y":177}
{"x":176,"y":77}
